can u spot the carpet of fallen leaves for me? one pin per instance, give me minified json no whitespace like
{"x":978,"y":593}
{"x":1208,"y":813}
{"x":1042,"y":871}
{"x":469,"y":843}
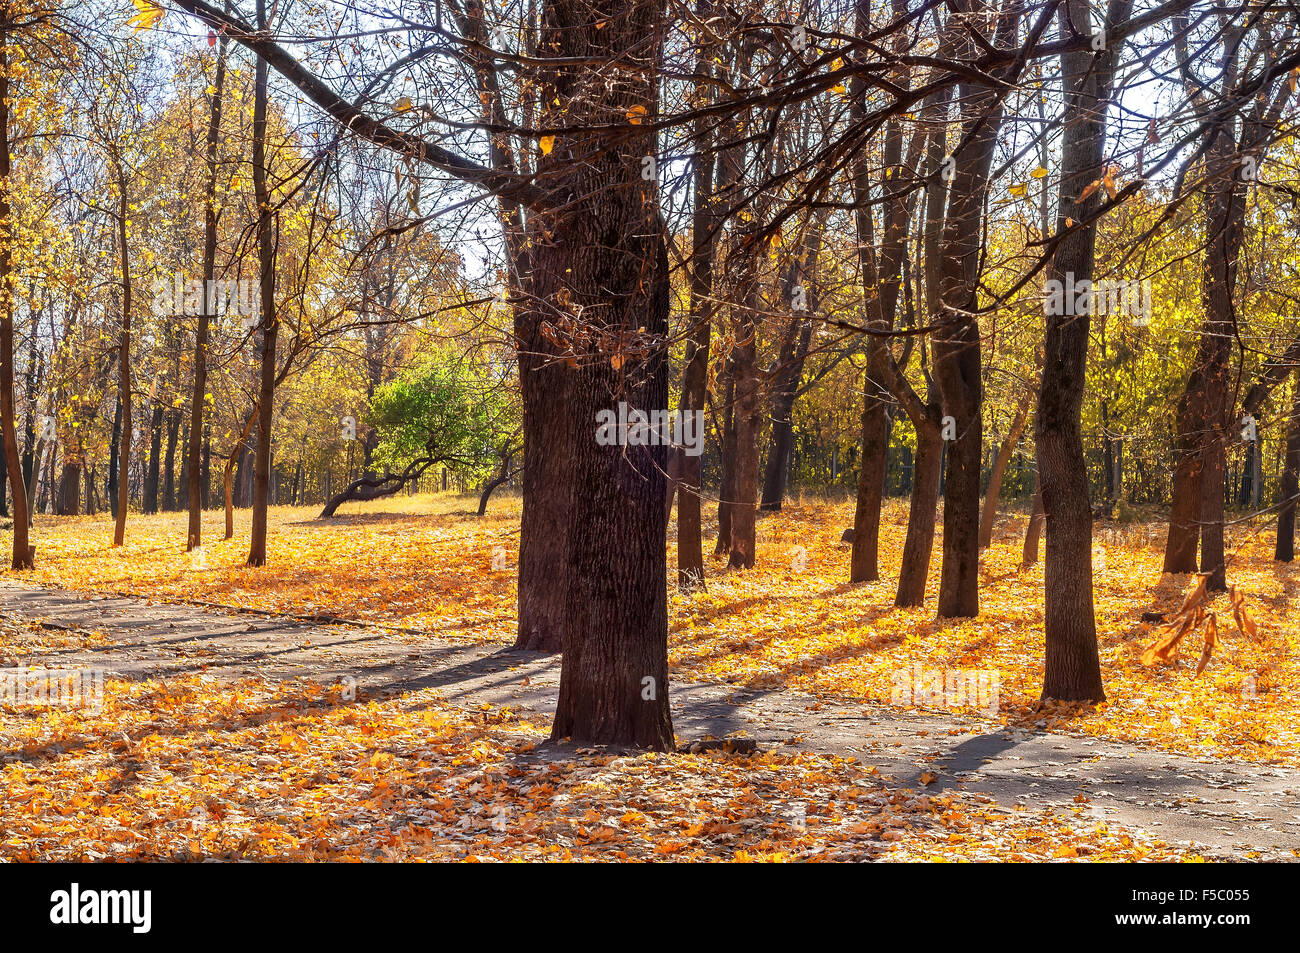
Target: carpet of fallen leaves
{"x":428,"y":563}
{"x":192,"y":769}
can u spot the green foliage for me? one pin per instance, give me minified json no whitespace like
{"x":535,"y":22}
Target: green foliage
{"x":445,"y":406}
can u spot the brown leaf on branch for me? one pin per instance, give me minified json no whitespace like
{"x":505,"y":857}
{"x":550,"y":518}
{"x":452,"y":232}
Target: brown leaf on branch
{"x":1211,"y":640}
{"x":1166,"y":647}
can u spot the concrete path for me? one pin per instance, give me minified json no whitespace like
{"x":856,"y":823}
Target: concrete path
{"x":1227,"y":808}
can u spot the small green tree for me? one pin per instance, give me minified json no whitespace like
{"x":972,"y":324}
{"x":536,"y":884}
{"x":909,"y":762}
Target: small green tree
{"x":444,"y":410}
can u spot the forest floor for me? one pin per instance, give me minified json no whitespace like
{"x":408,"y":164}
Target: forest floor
{"x":233,"y":733}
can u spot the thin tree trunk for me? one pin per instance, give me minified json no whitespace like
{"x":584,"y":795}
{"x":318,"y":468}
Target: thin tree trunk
{"x":4,"y":480}
{"x":876,"y":425}
{"x":1000,"y":463}
{"x":748,"y":408}
{"x":914,"y":572}
{"x":113,"y":450}
{"x":153,"y":469}
{"x":727,"y":490}
{"x":1029,"y":555}
{"x":169,"y":461}
{"x":22,"y":557}
{"x":270,"y":320}
{"x":695,"y":374}
{"x":1290,"y":488}
{"x":198,"y":481}
{"x":124,"y":368}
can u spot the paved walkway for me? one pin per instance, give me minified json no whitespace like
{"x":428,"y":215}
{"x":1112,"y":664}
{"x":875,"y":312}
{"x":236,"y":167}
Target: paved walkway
{"x":1227,"y":808}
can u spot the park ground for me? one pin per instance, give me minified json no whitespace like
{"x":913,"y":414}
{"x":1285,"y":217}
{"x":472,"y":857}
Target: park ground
{"x":237,"y":753}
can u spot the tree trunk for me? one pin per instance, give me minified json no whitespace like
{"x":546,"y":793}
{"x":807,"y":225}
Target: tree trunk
{"x":1290,"y":489}
{"x":727,"y":490}
{"x":956,"y":339}
{"x":779,"y":445}
{"x":880,"y":278}
{"x":169,"y":461}
{"x":503,"y":474}
{"x":695,"y":373}
{"x":22,"y":556}
{"x":124,"y":368}
{"x":113,"y":450}
{"x":1203,"y":411}
{"x":270,"y":320}
{"x":914,"y":572}
{"x":1005,"y":451}
{"x":153,"y":469}
{"x":4,"y":480}
{"x":1029,"y":556}
{"x":68,"y":500}
{"x":206,"y":483}
{"x":612,"y":263}
{"x":748,"y":396}
{"x":1072,"y":667}
{"x":864,"y":560}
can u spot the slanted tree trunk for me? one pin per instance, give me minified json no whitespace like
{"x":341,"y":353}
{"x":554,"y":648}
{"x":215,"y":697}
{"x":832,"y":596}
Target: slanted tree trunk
{"x":1003,"y":458}
{"x":926,"y":415}
{"x":1034,"y":530}
{"x":238,"y":450}
{"x":376,"y":487}
{"x":504,"y":473}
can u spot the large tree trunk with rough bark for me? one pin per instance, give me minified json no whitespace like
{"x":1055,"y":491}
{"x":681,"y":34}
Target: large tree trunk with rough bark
{"x":606,"y":259}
